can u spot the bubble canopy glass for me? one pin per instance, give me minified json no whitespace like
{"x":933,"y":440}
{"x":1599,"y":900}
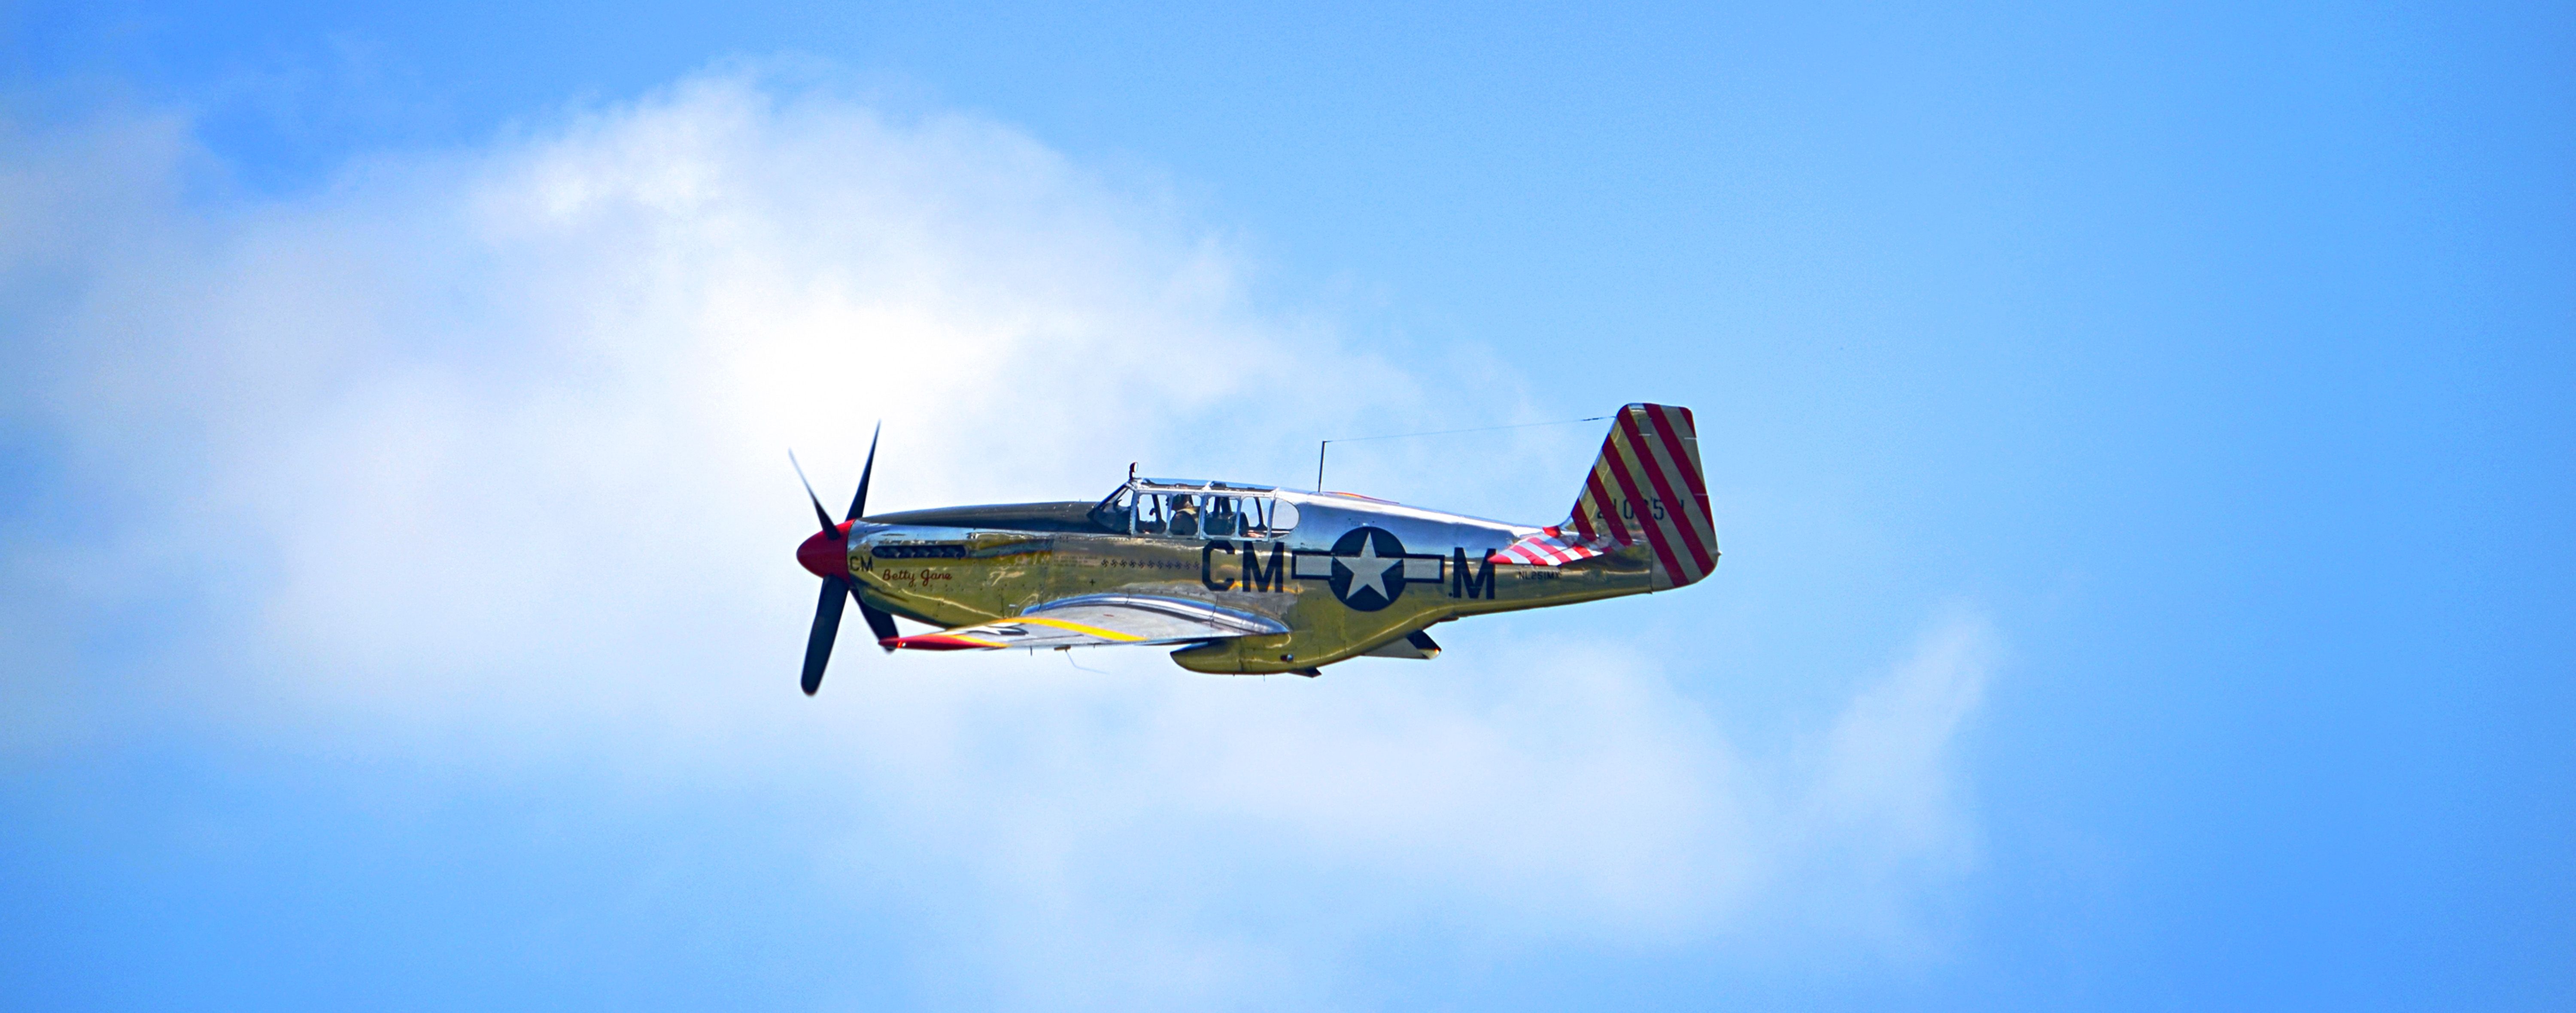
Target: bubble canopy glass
{"x":1193,"y":508}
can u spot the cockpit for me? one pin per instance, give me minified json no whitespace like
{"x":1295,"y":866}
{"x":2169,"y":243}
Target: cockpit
{"x":1189,"y":508}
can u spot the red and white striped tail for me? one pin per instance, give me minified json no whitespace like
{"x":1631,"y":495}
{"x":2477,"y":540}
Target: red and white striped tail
{"x":1645,"y":488}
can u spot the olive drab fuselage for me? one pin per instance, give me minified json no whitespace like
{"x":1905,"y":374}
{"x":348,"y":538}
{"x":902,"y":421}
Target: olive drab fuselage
{"x":1253,"y":579}
{"x":1345,"y":574}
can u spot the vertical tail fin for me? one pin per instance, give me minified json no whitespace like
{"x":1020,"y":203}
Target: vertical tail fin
{"x":1645,"y":488}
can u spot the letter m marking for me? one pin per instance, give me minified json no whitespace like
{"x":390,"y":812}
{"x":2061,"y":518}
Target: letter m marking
{"x":1255,"y":577}
{"x":1465,"y":585}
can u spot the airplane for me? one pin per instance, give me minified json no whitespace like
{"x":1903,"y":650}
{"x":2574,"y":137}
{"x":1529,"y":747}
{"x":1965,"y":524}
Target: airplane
{"x":1254,"y":579}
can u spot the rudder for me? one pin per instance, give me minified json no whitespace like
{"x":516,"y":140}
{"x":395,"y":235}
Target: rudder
{"x":1646,"y":487}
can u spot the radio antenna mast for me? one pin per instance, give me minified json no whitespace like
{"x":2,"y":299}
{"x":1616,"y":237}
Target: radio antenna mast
{"x":1322,"y":445}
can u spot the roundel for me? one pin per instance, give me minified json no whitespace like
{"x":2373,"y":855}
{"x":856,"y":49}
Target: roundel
{"x":1368,"y":569}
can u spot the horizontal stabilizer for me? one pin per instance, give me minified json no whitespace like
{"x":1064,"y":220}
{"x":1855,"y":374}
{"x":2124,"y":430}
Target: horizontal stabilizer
{"x":1646,"y":489}
{"x":1551,"y":546}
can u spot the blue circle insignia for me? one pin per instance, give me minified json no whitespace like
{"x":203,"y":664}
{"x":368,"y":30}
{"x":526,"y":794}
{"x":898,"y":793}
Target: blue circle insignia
{"x":1368,"y":569}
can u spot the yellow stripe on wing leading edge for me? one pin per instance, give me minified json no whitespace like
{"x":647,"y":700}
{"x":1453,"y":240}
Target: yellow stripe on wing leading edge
{"x":1060,"y":624}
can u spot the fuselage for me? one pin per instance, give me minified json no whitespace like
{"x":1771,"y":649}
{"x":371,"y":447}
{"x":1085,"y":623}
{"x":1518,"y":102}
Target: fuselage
{"x":1346,"y":574}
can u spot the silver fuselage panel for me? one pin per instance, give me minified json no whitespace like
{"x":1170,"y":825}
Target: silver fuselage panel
{"x":1343,"y":574}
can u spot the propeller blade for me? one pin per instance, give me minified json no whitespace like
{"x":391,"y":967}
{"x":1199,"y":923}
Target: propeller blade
{"x":878,"y":622}
{"x":836,"y":591}
{"x":827,"y":625}
{"x":821,"y":514}
{"x":860,"y":501}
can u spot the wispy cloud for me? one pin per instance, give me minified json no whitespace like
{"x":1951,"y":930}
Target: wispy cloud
{"x":476,"y":456}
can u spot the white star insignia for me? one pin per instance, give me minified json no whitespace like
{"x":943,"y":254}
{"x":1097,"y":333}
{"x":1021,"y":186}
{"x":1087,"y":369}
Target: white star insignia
{"x":1368,"y":569}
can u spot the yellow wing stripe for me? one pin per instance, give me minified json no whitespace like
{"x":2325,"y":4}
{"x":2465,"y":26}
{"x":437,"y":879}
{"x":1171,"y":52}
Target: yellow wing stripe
{"x":1080,"y":628}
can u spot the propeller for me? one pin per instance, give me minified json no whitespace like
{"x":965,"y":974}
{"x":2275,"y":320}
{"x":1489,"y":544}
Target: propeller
{"x":836,"y":586}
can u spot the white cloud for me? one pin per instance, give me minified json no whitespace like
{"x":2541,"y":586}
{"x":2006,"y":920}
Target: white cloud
{"x":479,"y":457}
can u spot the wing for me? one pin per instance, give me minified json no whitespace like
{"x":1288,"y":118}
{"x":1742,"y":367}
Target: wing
{"x":1093,"y":620}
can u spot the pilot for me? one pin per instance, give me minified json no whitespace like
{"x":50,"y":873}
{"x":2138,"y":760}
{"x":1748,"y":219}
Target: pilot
{"x":1185,"y":515}
{"x":1221,"y":517}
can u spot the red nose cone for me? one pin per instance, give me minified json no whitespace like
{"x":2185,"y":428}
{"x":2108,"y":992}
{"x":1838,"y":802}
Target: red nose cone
{"x":827,"y":553}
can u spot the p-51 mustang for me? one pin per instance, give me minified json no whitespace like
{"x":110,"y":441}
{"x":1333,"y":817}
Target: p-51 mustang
{"x":1252,"y":579}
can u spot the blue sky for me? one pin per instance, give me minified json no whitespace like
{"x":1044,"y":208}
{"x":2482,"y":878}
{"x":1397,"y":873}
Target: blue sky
{"x":2141,"y":439}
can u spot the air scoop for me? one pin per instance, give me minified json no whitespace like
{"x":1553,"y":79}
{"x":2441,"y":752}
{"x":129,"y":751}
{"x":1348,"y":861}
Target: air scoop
{"x":826,"y":553}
